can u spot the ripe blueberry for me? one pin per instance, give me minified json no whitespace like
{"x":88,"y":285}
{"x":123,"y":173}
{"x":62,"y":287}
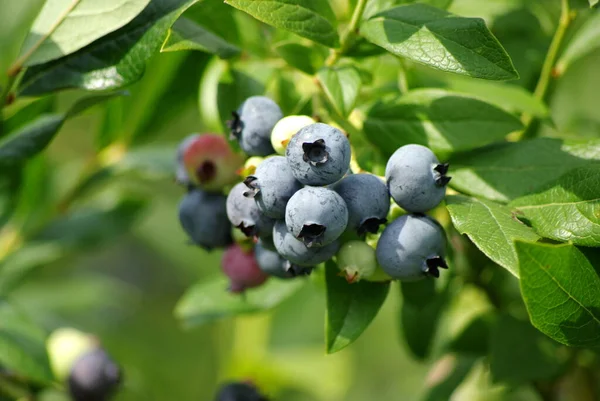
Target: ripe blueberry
{"x":367,"y":199}
{"x":273,"y":264}
{"x":181,"y":175}
{"x":252,"y":124}
{"x":239,"y":392}
{"x":416,"y":179}
{"x":94,"y":377}
{"x":296,"y":252}
{"x":241,"y":268}
{"x":317,"y":216}
{"x":318,"y":154}
{"x":244,"y":214}
{"x":411,"y":248}
{"x":210,"y":163}
{"x":285,"y":129}
{"x":203,"y":217}
{"x":356,"y":259}
{"x":272,"y":186}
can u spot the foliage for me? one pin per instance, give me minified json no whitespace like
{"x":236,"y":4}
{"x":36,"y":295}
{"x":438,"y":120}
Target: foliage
{"x":517,"y":316}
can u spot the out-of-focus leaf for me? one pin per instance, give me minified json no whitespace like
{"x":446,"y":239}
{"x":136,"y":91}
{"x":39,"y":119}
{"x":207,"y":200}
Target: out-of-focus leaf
{"x":312,"y":19}
{"x":185,"y":34}
{"x":441,"y":40}
{"x":560,"y":288}
{"x":507,"y":171}
{"x":23,"y":112}
{"x":88,"y":227}
{"x":492,"y":227}
{"x":306,"y":59}
{"x":65,"y":26}
{"x":152,"y":162}
{"x":22,"y":345}
{"x":35,"y":136}
{"x":584,"y":42}
{"x":446,"y":375}
{"x":520,"y":353}
{"x":210,"y":300}
{"x":113,"y":61}
{"x":567,"y":209}
{"x":341,"y":86}
{"x":444,"y":121}
{"x":350,"y":307}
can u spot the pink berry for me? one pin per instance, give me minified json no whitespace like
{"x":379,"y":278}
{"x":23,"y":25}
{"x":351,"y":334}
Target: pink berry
{"x":242,"y":269}
{"x":210,"y":162}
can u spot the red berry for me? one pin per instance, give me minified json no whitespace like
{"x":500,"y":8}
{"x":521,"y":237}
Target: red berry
{"x":242,"y":269}
{"x":210,"y":162}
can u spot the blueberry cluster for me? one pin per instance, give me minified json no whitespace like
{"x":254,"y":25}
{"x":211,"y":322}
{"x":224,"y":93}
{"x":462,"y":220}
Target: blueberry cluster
{"x":300,"y":204}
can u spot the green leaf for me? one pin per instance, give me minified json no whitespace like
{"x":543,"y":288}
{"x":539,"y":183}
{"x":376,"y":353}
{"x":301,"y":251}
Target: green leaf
{"x":584,"y":42}
{"x":312,"y":19}
{"x":568,"y":209}
{"x":446,"y":375}
{"x":22,"y":345}
{"x":185,"y":34}
{"x":306,"y":59}
{"x":65,"y":26}
{"x":560,"y":288}
{"x":593,"y":2}
{"x":150,"y":162}
{"x":23,"y":112}
{"x":20,"y":263}
{"x":507,"y":171}
{"x":419,"y":315}
{"x":32,"y":138}
{"x":113,"y":61}
{"x":350,"y":307}
{"x":520,"y":353}
{"x":493,"y":228}
{"x":444,"y":121}
{"x":341,"y":86}
{"x":208,"y":301}
{"x":441,"y":40}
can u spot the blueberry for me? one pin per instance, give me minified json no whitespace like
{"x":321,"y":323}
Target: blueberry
{"x":94,"y":377}
{"x":244,"y":214}
{"x":416,"y":179}
{"x":273,"y":264}
{"x":252,"y":124}
{"x":285,"y":129}
{"x":296,"y":252}
{"x":239,"y":392}
{"x":367,"y":199}
{"x":242,"y":269}
{"x":412,"y":247}
{"x":318,"y":154}
{"x":272,"y":186}
{"x":317,"y":216}
{"x":181,"y":175}
{"x":203,"y":217}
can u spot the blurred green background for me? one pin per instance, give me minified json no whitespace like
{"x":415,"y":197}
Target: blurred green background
{"x":125,"y":288}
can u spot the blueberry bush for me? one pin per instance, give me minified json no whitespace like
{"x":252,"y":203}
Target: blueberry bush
{"x":422,"y":175}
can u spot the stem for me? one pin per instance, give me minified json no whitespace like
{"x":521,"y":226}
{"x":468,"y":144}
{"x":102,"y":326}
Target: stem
{"x":347,"y":38}
{"x":6,"y":90}
{"x":549,"y":63}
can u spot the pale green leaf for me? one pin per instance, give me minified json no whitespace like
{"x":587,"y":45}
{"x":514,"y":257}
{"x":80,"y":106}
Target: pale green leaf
{"x":584,"y":42}
{"x":185,"y":34}
{"x":341,"y":86}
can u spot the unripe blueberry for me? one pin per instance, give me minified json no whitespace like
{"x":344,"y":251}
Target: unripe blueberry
{"x":274,"y":265}
{"x":318,"y":154}
{"x":272,"y":186}
{"x":416,"y":179}
{"x":203,"y":217}
{"x":250,"y":166}
{"x":296,"y":252}
{"x":239,"y":392}
{"x":252,"y":124}
{"x":210,"y":163}
{"x":94,"y":377}
{"x":367,"y":199}
{"x":412,"y":247}
{"x":356,"y":260}
{"x":244,"y":214}
{"x":242,"y":269}
{"x":285,"y":129}
{"x":317,"y":216}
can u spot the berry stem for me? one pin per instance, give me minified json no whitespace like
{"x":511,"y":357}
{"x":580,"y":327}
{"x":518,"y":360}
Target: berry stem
{"x":548,"y":67}
{"x":348,"y":36}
